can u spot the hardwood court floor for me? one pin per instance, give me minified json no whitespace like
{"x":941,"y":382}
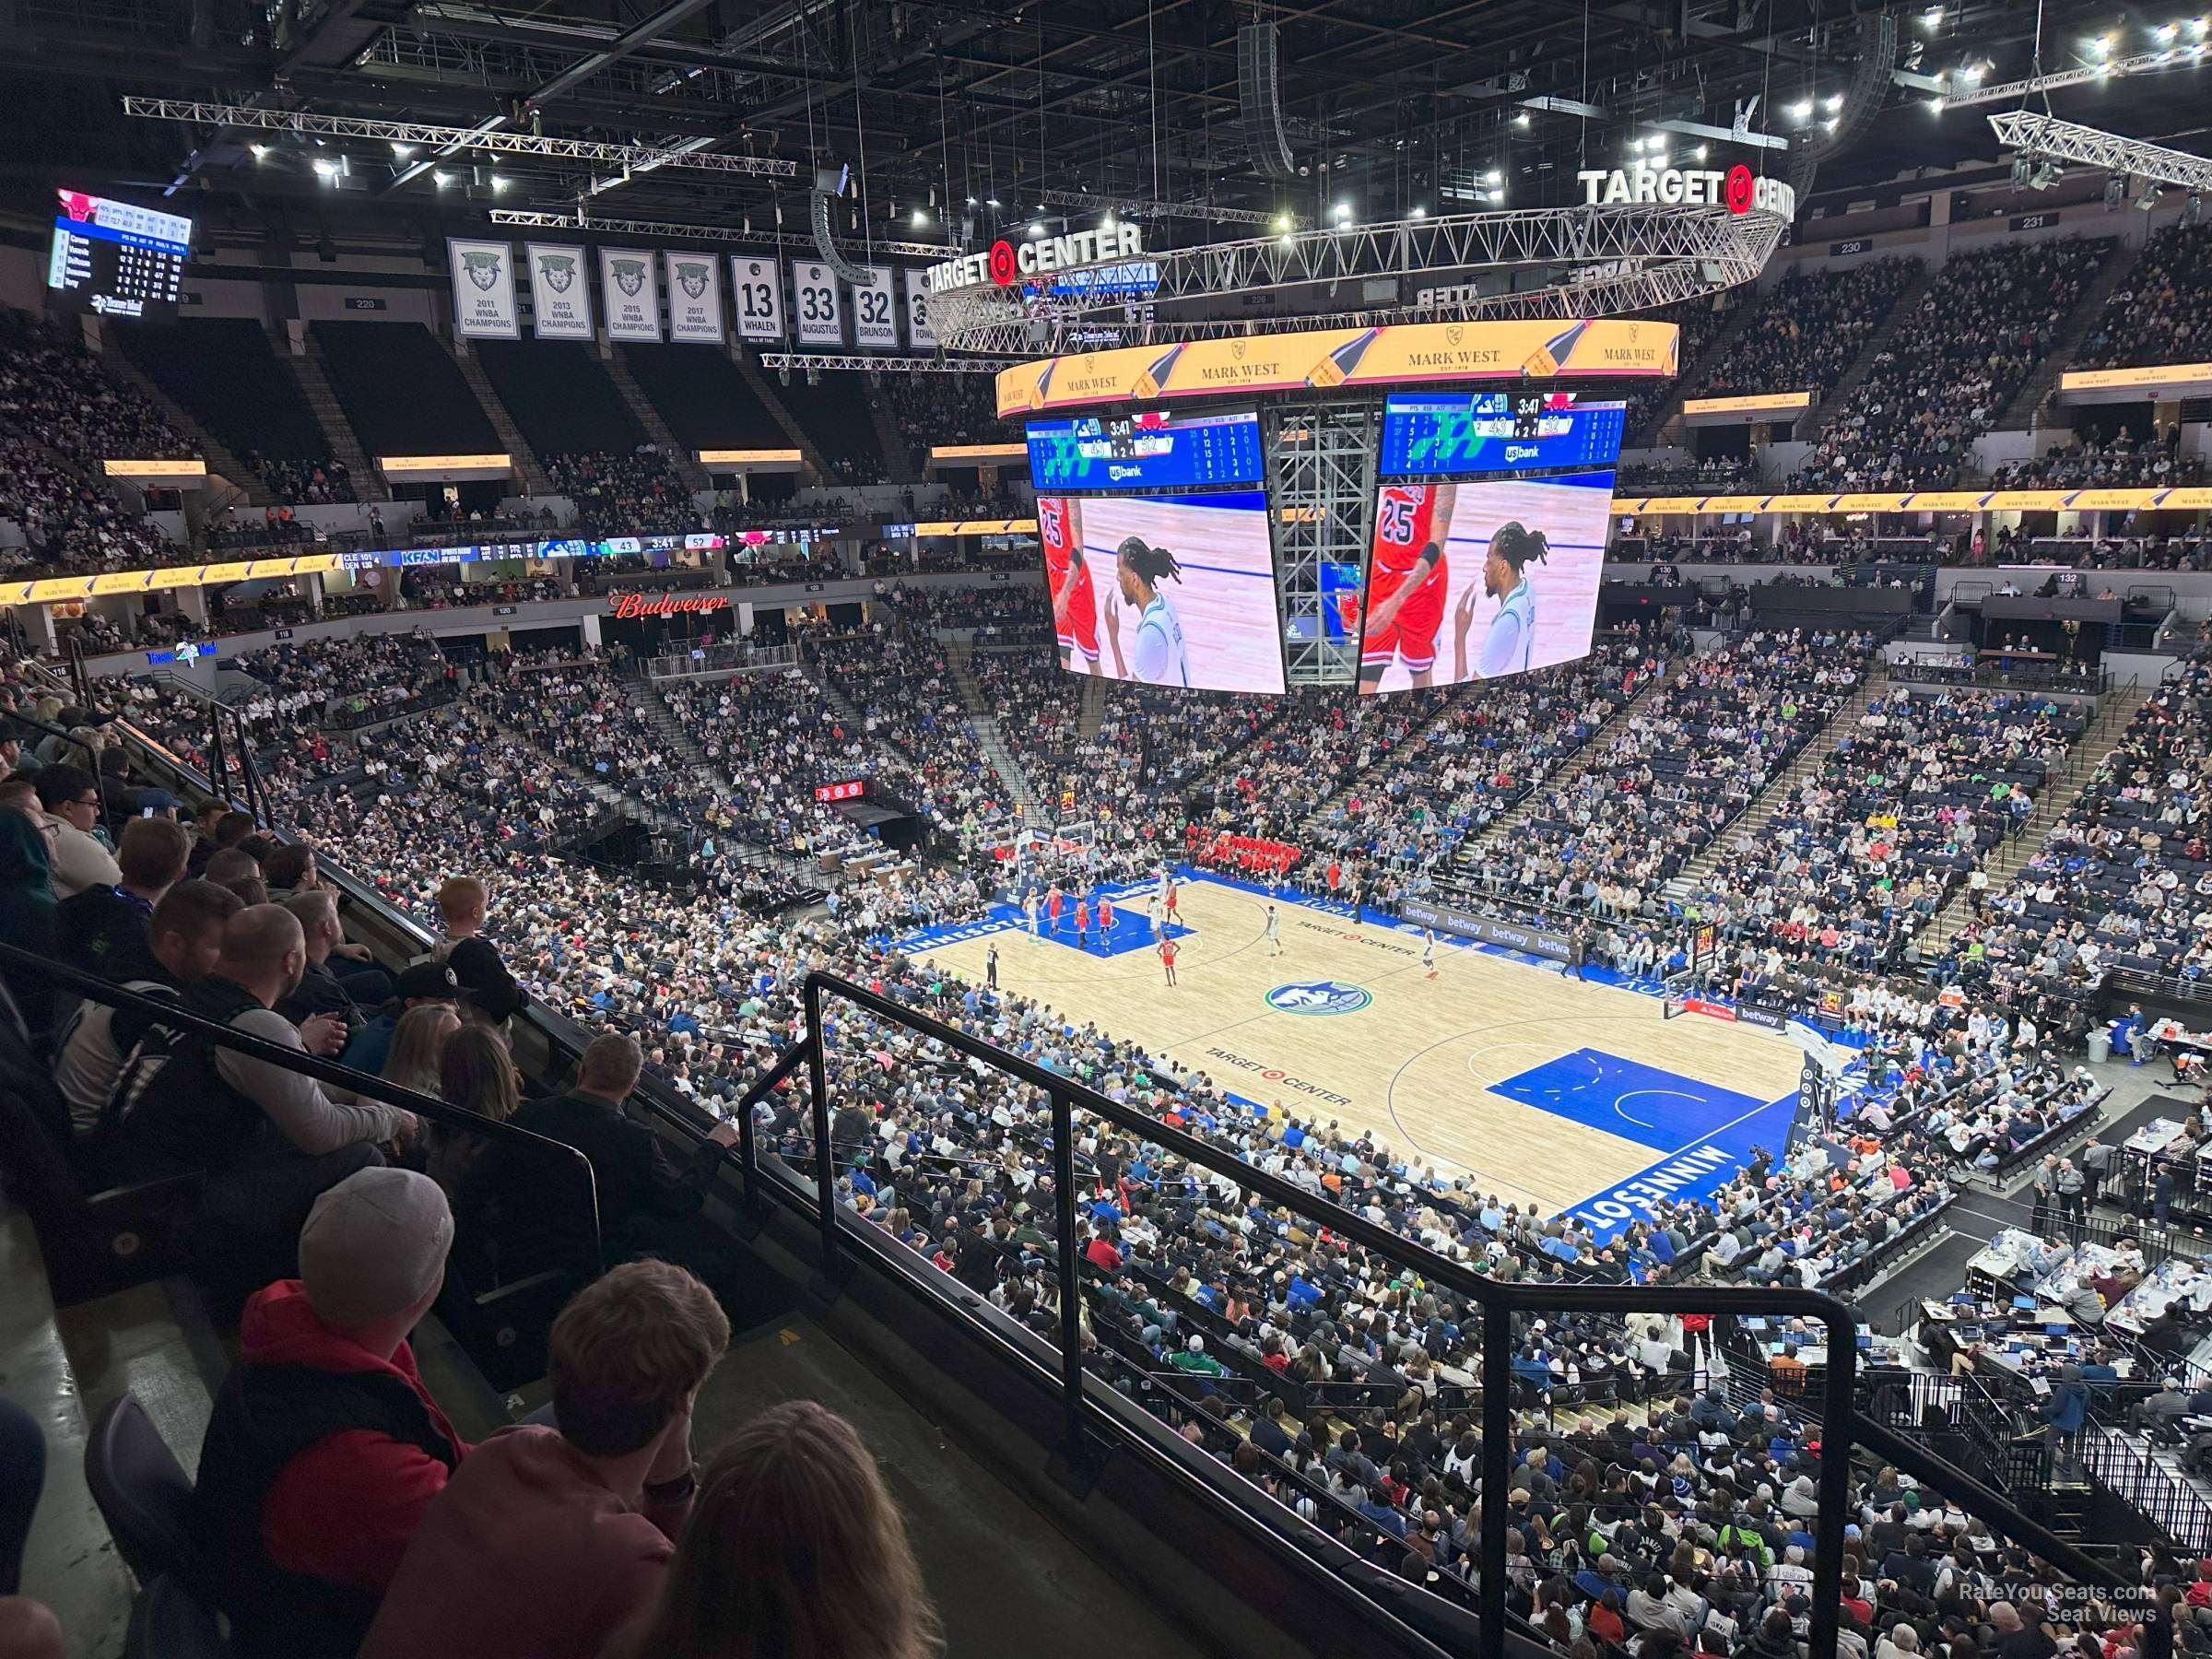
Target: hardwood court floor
{"x":1416,"y":1063}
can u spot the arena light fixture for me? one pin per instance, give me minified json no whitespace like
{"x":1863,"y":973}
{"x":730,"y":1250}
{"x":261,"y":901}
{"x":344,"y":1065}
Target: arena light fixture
{"x":1418,"y":213}
{"x":1832,"y":103}
{"x":261,"y":151}
{"x":2165,"y":33}
{"x":1801,"y":110}
{"x":1932,"y":17}
{"x":2149,"y":198}
{"x":1520,"y":120}
{"x":2046,"y":138}
{"x":919,"y":219}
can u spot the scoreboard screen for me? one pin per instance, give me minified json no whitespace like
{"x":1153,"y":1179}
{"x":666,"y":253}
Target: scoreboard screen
{"x":116,"y":259}
{"x":1145,"y":449}
{"x":1432,"y":434}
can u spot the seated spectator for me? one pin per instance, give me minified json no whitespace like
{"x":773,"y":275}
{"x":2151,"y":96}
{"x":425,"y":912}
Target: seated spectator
{"x":323,"y":988}
{"x":184,"y":940}
{"x":418,"y":1045}
{"x":271,"y":1140}
{"x":640,"y":1191}
{"x":423,"y":985}
{"x":325,"y":1450}
{"x":80,"y":859}
{"x":795,"y":1551}
{"x":103,"y":929}
{"x":474,"y":959}
{"x":547,"y":1540}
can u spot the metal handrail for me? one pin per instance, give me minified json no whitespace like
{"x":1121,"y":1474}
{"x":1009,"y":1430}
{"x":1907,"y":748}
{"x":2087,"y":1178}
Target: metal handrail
{"x":95,"y":989}
{"x":1844,"y":1427}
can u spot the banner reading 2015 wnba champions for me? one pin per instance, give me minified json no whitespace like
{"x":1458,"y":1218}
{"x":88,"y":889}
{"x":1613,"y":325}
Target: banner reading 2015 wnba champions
{"x":633,"y":305}
{"x":483,"y":276}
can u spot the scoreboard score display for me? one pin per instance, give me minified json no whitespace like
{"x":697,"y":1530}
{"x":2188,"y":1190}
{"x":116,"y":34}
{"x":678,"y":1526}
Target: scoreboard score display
{"x":116,"y":259}
{"x":1145,"y":449}
{"x":851,"y":790}
{"x":1428,"y":434}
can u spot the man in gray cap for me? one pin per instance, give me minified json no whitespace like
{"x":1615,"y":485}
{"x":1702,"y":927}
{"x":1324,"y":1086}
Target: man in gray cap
{"x":324,"y":1448}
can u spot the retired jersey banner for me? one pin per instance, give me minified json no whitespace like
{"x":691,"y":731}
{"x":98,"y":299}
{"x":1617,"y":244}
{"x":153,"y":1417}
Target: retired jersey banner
{"x":757,"y":290}
{"x":560,"y":292}
{"x":814,"y":294}
{"x":633,"y":309}
{"x":1405,"y":354}
{"x":483,"y":289}
{"x":919,"y":333}
{"x":694,"y":298}
{"x":874,"y":323}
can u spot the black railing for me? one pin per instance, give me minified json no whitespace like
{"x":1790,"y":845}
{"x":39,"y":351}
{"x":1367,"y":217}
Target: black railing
{"x":18,"y":962}
{"x":2140,"y":1481}
{"x":1845,"y":1427}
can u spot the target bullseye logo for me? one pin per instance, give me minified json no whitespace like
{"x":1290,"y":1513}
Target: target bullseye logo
{"x":1003,"y":271}
{"x":1739,"y":187}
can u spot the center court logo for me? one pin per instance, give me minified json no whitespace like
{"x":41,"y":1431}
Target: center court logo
{"x":1319,"y":997}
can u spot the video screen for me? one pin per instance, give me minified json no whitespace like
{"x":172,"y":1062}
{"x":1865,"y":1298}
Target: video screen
{"x":1145,"y":449}
{"x":115,"y":258}
{"x":1432,"y":434}
{"x":1479,"y":581}
{"x":1169,"y":589}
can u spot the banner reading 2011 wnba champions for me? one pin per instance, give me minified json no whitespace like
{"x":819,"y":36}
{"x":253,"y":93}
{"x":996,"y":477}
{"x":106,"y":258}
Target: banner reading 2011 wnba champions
{"x":483,"y":276}
{"x":560,"y":292}
{"x":1405,"y":354}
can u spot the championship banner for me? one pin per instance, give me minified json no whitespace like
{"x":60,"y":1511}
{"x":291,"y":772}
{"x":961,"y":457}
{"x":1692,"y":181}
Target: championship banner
{"x":756,"y":287}
{"x":875,"y":324}
{"x":814,"y":291}
{"x":560,"y":292}
{"x":1405,"y":354}
{"x":918,"y":331}
{"x":694,"y":298}
{"x":633,"y":309}
{"x":483,"y":275}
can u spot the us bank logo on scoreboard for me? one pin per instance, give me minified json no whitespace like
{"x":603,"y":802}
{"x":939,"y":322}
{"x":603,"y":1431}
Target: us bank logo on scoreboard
{"x":1319,"y":997}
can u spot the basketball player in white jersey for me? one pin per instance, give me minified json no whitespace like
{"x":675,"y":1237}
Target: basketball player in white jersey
{"x":1274,"y":933}
{"x":1161,"y":657}
{"x":1429,"y":950}
{"x":1029,"y":909}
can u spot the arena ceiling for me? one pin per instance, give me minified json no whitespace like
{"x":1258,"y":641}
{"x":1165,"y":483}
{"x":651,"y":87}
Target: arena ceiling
{"x":948,"y":107}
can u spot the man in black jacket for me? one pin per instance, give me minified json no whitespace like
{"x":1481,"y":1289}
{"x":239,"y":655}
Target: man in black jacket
{"x":641,"y":1193}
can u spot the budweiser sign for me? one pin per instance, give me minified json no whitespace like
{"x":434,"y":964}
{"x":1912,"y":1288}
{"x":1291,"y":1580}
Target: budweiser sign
{"x":626,"y":606}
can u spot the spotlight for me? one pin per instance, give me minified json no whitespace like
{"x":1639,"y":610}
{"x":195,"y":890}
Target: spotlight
{"x":1802,"y":110}
{"x":2101,"y":46}
{"x":1935,"y":106}
{"x":1037,"y":229}
{"x":1972,"y":73}
{"x":1282,"y":221}
{"x":2165,"y":33}
{"x":2149,"y":198}
{"x":2194,"y":213}
{"x":499,"y":183}
{"x":2116,"y":191}
{"x":1418,"y":213}
{"x":2022,"y":167}
{"x":1932,"y":17}
{"x":1344,"y":210}
{"x":920,"y":219}
{"x":1522,"y":119}
{"x":1635,"y":144}
{"x":1700,"y":152}
{"x":402,"y":150}
{"x":1493,"y":177}
{"x":325,"y":169}
{"x":1832,"y":103}
{"x":441,"y":179}
{"x":1496,"y":197}
{"x":260,"y":151}
{"x":991,"y":202}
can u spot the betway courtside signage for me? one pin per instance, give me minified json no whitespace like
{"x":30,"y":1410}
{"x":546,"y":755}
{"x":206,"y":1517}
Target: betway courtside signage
{"x":1007,"y":263}
{"x":1738,"y":190}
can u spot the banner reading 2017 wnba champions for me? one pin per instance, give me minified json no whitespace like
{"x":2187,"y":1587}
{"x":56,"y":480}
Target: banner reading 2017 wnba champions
{"x":483,"y":276}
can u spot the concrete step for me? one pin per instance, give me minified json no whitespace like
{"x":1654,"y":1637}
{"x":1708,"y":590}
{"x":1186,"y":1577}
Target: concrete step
{"x":330,"y":414}
{"x":766,"y":392}
{"x":641,"y":410}
{"x":2025,"y":409}
{"x":1813,"y":425}
{"x":1694,"y":373}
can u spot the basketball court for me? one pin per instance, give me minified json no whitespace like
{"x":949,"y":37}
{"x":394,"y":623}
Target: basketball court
{"x":1578,"y":1096}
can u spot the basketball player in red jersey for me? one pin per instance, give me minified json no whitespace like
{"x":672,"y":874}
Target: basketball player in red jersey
{"x":1167,"y":957}
{"x":1105,"y":919}
{"x":1082,"y":921}
{"x":1175,"y":914}
{"x":1406,"y":581}
{"x":1051,"y":906}
{"x":1067,"y":579}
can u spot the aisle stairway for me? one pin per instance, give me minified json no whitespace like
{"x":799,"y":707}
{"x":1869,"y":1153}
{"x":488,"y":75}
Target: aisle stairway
{"x":1761,"y":810}
{"x":2025,"y":409}
{"x":2113,"y":712}
{"x":901,"y":465}
{"x":1374,"y":769}
{"x":1094,"y":708}
{"x":526,"y":466}
{"x":1811,"y":428}
{"x":663,"y":437}
{"x":221,"y":461}
{"x":766,"y":392}
{"x":330,"y":415}
{"x":1694,"y":373}
{"x":960,"y":659}
{"x":663,"y":719}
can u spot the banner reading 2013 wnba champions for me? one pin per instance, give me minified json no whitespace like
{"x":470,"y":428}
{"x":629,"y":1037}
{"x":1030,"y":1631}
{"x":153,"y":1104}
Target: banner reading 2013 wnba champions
{"x":483,"y":289}
{"x":560,"y":292}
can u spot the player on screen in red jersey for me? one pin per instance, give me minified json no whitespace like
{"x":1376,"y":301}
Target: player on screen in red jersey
{"x":1067,"y":578}
{"x":1406,"y":577}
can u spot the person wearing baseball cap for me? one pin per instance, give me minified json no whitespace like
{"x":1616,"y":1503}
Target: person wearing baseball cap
{"x":324,"y":1448}
{"x":425,"y":983}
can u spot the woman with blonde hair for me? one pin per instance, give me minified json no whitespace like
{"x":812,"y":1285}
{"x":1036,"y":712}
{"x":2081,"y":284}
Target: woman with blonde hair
{"x":418,"y":1044}
{"x":794,"y":1550}
{"x":476,"y":1072}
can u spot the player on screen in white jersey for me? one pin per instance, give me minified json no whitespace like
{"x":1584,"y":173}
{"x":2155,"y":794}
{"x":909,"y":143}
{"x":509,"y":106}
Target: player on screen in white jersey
{"x":1160,"y":659}
{"x":1507,"y":648}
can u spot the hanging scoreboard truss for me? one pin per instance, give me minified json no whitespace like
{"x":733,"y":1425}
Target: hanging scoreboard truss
{"x":1562,"y":262}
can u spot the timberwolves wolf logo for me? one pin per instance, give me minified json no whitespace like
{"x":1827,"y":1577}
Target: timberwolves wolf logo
{"x":629,"y":276}
{"x":483,"y":269}
{"x":559,"y":270}
{"x":691,"y":276}
{"x":1319,"y":997}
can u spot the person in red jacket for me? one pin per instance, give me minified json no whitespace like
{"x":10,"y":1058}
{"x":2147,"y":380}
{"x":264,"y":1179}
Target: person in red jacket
{"x":324,"y":1448}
